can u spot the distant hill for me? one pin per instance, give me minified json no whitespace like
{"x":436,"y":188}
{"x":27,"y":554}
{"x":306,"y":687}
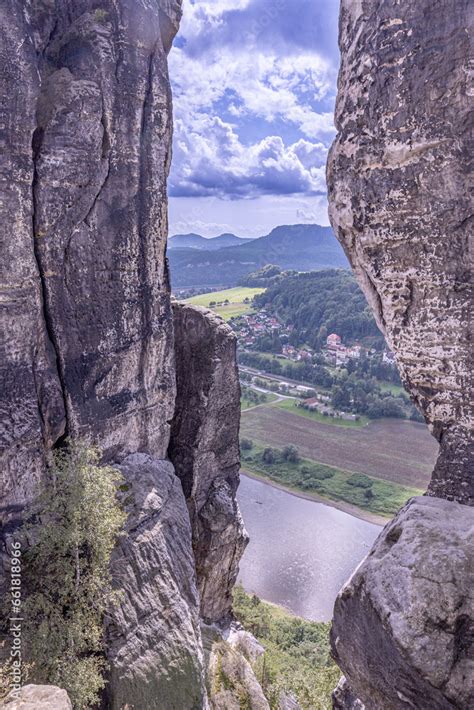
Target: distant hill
{"x":301,"y":247}
{"x":196,"y":241}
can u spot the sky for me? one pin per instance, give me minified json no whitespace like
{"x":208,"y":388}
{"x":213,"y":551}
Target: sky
{"x":254,"y":85}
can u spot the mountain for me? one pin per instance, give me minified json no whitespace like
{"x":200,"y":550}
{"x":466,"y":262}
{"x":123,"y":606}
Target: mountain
{"x":302,"y":247}
{"x":196,"y":241}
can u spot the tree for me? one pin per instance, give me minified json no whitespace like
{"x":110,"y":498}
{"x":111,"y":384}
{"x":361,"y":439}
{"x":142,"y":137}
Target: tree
{"x":290,"y":453}
{"x":268,"y":456}
{"x":74,"y":529}
{"x":246,"y":444}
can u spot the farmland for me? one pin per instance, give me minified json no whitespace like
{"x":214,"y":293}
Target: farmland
{"x":389,"y":449}
{"x":238,"y":301}
{"x":289,"y":405}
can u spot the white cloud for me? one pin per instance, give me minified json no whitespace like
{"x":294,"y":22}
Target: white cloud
{"x":235,"y":89}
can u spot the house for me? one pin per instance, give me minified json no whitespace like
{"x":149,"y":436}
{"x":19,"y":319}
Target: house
{"x":355,"y":352}
{"x":388,"y":357}
{"x":333,"y":341}
{"x":303,"y":390}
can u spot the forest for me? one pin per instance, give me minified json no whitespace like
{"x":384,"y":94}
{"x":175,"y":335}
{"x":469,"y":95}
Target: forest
{"x":318,"y":303}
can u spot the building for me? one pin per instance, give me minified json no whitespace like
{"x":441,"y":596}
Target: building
{"x":333,"y":341}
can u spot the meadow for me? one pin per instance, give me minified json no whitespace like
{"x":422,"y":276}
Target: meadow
{"x":393,"y":450}
{"x":316,"y":480}
{"x":236,"y":298}
{"x":290,"y":405}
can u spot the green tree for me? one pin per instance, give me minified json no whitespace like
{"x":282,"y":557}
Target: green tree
{"x":76,"y":524}
{"x":268,"y":455}
{"x":290,"y":453}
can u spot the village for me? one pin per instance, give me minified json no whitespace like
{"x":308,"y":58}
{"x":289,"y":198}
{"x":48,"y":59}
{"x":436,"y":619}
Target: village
{"x":250,"y":328}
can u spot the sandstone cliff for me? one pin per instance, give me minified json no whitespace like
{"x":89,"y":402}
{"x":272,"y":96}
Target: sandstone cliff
{"x":398,"y":189}
{"x":205,"y":450}
{"x":90,"y":346}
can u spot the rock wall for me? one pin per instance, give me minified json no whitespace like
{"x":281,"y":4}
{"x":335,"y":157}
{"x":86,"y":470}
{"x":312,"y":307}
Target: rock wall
{"x":398,"y":190}
{"x":90,"y":344}
{"x":153,"y":635}
{"x":399,"y":203}
{"x":204,"y":448}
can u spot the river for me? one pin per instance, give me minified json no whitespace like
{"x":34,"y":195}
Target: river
{"x":300,"y":552}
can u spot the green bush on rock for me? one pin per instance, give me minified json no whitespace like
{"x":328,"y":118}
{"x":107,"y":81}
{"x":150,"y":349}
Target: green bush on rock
{"x":68,"y":586}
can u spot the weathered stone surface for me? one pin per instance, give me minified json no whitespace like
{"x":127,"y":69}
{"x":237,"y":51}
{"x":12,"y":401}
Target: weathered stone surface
{"x":344,"y":699}
{"x":37,"y":697}
{"x":204,"y":448}
{"x":403,"y":627}
{"x":244,"y":642}
{"x":87,"y":326}
{"x":32,"y":412}
{"x":400,"y":205}
{"x":153,"y":636}
{"x":233,"y":682}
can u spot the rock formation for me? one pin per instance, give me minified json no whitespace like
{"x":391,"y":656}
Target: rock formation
{"x":410,"y":606}
{"x":153,"y":635}
{"x":205,"y":450}
{"x":89,"y":344}
{"x":37,"y":697}
{"x":400,"y":205}
{"x":398,"y":190}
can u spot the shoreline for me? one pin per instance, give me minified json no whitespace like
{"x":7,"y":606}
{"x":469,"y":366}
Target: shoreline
{"x":348,"y":508}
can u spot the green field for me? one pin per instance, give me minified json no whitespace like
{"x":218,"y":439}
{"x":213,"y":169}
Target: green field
{"x":393,"y":450}
{"x":396,"y":390}
{"x":247,"y":401}
{"x":290,"y":406}
{"x":296,"y":658}
{"x":374,"y":495}
{"x":235,"y":296}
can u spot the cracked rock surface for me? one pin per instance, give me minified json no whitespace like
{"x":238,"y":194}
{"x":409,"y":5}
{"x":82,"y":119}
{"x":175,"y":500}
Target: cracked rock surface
{"x":404,"y":623}
{"x":398,"y":180}
{"x":400,"y":203}
{"x":204,"y":448}
{"x":86,"y":149}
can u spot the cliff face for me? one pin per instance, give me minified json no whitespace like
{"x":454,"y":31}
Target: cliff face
{"x":86,"y":150}
{"x":205,"y":450}
{"x":398,"y":190}
{"x":399,"y":203}
{"x":90,"y":345}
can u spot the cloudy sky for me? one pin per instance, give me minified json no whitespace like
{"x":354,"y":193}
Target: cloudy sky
{"x":254,"y":85}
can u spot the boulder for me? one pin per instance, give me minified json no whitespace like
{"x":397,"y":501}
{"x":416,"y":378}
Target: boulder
{"x":37,"y":697}
{"x":233,"y":682}
{"x":403,"y":626}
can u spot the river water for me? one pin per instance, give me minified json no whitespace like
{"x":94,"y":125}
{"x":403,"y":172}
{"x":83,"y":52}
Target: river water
{"x":300,"y":552}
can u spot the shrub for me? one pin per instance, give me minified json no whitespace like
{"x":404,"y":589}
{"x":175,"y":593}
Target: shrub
{"x":246,"y":444}
{"x":76,"y":524}
{"x":290,"y":453}
{"x":359,"y":480}
{"x":269,"y":455}
{"x":323,"y":473}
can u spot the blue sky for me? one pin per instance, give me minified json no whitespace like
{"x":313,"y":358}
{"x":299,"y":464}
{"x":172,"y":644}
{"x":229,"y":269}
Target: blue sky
{"x":254,"y":84}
